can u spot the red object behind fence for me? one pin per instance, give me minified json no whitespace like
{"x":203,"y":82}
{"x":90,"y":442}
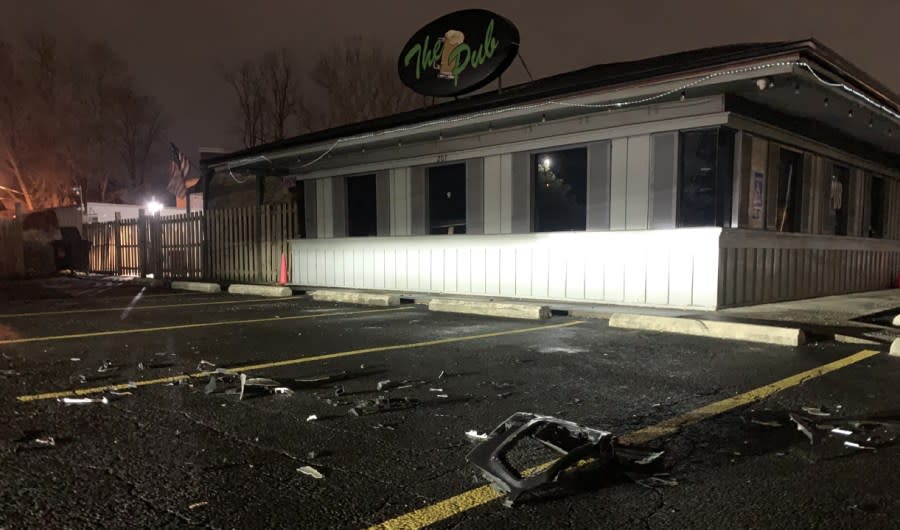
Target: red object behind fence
{"x":282,"y":271}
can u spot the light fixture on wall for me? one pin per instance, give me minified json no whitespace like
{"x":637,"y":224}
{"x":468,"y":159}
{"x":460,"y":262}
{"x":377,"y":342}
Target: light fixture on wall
{"x":154,"y":206}
{"x":765,"y":82}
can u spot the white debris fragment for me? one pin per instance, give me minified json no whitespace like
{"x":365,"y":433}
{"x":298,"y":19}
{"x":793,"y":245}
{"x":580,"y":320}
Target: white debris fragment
{"x":816,"y":411}
{"x":441,"y":375}
{"x":476,"y":436}
{"x":282,"y":390}
{"x":444,"y":396}
{"x":766,"y":423}
{"x":842,"y":432}
{"x":312,"y":417}
{"x":855,"y":445}
{"x":75,"y":359}
{"x":83,"y":401}
{"x":197,"y":505}
{"x":120,"y":394}
{"x":435,"y":389}
{"x":311,"y":471}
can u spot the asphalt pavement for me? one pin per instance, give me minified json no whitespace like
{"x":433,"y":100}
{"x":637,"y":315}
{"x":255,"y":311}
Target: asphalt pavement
{"x":167,"y":454}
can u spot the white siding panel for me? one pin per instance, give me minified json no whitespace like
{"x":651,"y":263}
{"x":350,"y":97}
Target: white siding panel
{"x":492,"y":270}
{"x":593,"y":275}
{"x":508,"y":271}
{"x":540,"y":272}
{"x":614,"y":277}
{"x":658,"y":276}
{"x":523,"y":271}
{"x":681,"y":277}
{"x":464,"y":270}
{"x":575,"y":275}
{"x":635,"y":275}
{"x":437,"y":270}
{"x":478,"y":270}
{"x":379,"y":269}
{"x":450,"y":274}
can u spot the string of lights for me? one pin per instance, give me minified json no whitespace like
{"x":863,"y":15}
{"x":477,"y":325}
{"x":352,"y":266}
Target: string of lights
{"x":600,"y":106}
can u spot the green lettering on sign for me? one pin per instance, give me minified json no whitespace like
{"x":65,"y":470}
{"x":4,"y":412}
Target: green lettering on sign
{"x":426,"y":55}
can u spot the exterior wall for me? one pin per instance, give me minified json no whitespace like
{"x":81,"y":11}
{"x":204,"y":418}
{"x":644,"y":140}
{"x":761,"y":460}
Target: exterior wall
{"x":655,"y":267}
{"x":758,"y":267}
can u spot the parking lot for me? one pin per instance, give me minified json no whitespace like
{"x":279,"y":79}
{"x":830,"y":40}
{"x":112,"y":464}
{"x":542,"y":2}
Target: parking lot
{"x":164,"y":453}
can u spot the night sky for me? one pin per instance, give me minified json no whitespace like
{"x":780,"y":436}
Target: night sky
{"x":173,"y":46}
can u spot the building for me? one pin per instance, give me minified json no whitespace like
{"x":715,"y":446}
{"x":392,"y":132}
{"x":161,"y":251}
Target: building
{"x":711,"y":178}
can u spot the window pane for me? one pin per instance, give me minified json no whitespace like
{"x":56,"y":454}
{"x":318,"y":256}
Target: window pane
{"x":362,"y":214}
{"x":447,"y":199}
{"x":697,"y":198}
{"x":560,"y":190}
{"x":876,"y":208}
{"x":790,"y":192}
{"x":838,"y":193}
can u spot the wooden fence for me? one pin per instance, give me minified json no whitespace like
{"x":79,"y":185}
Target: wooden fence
{"x":239,"y":244}
{"x":12,"y":258}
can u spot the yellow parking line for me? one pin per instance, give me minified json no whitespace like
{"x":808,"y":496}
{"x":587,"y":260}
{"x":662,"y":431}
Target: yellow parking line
{"x":298,"y":360}
{"x":193,"y":326}
{"x":482,"y":495}
{"x":141,"y":307}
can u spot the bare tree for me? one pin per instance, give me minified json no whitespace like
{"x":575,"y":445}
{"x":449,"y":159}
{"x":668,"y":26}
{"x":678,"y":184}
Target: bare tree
{"x":268,"y":97}
{"x":360,"y":82}
{"x":69,"y":114}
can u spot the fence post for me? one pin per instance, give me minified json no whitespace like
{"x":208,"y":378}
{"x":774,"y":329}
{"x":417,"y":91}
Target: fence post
{"x":117,"y":238}
{"x":257,"y":246}
{"x":142,"y":243}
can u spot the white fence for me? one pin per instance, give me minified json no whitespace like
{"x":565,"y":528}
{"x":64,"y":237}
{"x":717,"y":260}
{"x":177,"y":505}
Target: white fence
{"x":676,"y":268}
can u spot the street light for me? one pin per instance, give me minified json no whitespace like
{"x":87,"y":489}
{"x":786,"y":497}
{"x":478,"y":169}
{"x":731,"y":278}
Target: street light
{"x":154,"y":206}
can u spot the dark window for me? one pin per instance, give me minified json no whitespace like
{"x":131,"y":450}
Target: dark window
{"x":876,"y":208}
{"x":362,"y":214}
{"x":838,"y":195}
{"x":788,"y":205}
{"x":704,"y":197}
{"x":560,"y":190}
{"x":447,"y":199}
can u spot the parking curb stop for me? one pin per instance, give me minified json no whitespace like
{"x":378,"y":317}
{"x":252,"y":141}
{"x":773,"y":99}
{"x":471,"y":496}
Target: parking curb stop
{"x":200,"y":287}
{"x":492,"y":309}
{"x":781,"y":336}
{"x":260,"y":290}
{"x":356,"y":297}
{"x":895,"y":348}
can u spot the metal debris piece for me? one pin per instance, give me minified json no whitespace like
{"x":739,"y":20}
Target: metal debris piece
{"x":75,"y":359}
{"x":766,"y":423}
{"x":386,"y":385}
{"x":656,"y":481}
{"x":312,"y":417}
{"x":283,"y":390}
{"x":476,"y":436}
{"x":311,"y":471}
{"x":117,"y":394}
{"x":816,"y":411}
{"x":338,"y":391}
{"x":196,"y":505}
{"x":382,"y":404}
{"x":441,"y":375}
{"x":204,"y":365}
{"x":443,"y":396}
{"x":435,"y":389}
{"x":106,"y":366}
{"x":34,"y":440}
{"x":868,"y":433}
{"x":574,"y":442}
{"x":83,"y":401}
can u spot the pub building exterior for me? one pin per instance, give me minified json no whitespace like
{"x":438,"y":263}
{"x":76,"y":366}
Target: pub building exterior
{"x":712,"y":178}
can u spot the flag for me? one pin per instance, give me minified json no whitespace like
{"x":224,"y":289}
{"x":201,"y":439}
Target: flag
{"x":179,"y":169}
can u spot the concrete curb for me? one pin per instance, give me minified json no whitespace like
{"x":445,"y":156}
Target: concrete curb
{"x":356,"y":297}
{"x":849,"y":339}
{"x":711,"y":328}
{"x":200,"y":287}
{"x":895,"y":348}
{"x":896,"y":321}
{"x":491,"y":309}
{"x":274,"y":291}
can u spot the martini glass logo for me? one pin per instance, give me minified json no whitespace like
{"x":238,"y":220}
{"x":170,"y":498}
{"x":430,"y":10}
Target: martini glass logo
{"x":451,"y":40}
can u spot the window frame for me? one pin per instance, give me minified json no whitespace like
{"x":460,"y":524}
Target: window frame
{"x":427,"y":198}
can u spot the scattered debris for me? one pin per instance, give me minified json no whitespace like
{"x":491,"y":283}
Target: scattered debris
{"x":338,"y":391}
{"x":764,"y":423}
{"x":311,"y":471}
{"x":106,"y":366}
{"x":382,"y":404}
{"x":75,"y":359}
{"x":574,"y":442}
{"x":816,"y":411}
{"x":155,"y":365}
{"x":861,"y":433}
{"x":202,"y":366}
{"x":10,"y":373}
{"x":283,"y":390}
{"x":435,"y":389}
{"x":657,"y":481}
{"x":387,"y":384}
{"x":476,"y":436}
{"x":256,"y":385}
{"x":197,"y":505}
{"x":312,"y":417}
{"x":442,"y":396}
{"x":117,"y":394}
{"x":35,"y":440}
{"x":82,"y":401}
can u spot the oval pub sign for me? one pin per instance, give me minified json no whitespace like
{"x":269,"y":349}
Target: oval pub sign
{"x":458,"y":53}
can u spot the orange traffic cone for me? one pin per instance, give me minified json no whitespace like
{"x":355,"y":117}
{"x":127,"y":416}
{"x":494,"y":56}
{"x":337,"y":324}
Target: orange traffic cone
{"x":282,"y":271}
